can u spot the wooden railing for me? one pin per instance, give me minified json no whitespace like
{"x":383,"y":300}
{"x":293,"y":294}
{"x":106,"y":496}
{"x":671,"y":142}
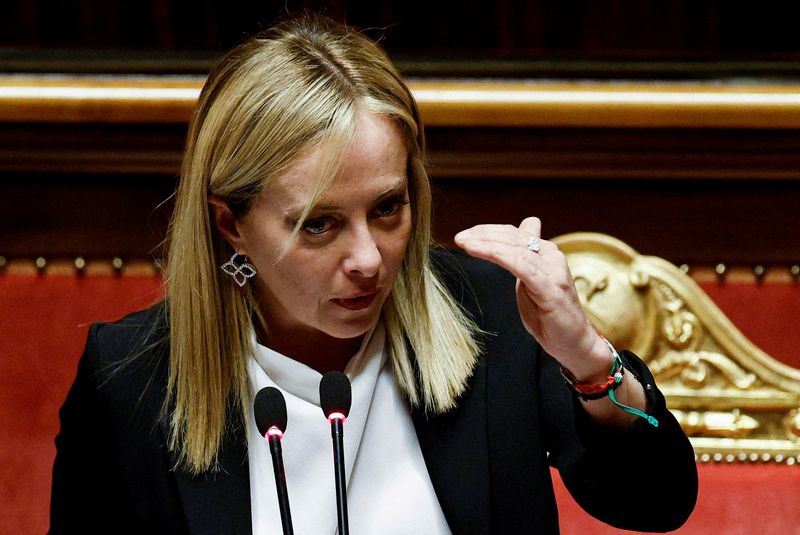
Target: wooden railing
{"x":686,"y":171}
{"x":451,"y":103}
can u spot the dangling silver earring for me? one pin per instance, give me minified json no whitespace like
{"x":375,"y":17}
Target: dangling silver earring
{"x":239,"y":268}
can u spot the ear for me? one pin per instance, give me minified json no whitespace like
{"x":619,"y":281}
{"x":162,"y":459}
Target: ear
{"x":226,"y":223}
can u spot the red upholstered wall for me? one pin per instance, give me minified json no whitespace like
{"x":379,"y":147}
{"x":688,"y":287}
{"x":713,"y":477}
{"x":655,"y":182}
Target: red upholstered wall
{"x":767,"y":313}
{"x":43,"y":324}
{"x":741,"y":499}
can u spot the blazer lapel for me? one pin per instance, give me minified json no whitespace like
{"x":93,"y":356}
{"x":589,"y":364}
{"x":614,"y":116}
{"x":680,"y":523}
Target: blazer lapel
{"x":218,"y":502}
{"x":455,"y":448}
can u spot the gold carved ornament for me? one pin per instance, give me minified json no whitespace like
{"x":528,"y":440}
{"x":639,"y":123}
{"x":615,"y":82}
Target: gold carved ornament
{"x":735,"y":402}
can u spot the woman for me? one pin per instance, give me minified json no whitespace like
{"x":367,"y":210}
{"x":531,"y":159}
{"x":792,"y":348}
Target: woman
{"x":301,"y":243}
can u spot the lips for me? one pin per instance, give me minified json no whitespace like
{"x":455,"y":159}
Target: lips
{"x":357,"y":302}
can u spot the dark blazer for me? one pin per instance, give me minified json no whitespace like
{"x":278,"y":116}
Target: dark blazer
{"x":488,"y":459}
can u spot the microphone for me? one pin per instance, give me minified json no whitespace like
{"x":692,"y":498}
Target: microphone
{"x":270,"y":413}
{"x":335,"y":397}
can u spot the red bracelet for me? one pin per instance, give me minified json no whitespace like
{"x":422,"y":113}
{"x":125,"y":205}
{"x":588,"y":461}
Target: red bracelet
{"x":590,"y":391}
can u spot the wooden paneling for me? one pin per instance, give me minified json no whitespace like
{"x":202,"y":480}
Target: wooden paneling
{"x":451,"y":103}
{"x":533,"y":28}
{"x":697,"y":222}
{"x":696,"y":174}
{"x":93,"y":216}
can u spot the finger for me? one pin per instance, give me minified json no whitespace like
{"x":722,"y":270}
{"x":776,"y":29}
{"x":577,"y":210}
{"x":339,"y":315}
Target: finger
{"x":531,"y":226}
{"x":531,"y":268}
{"x":487,"y":238}
{"x":544,"y":274}
{"x":506,"y":234}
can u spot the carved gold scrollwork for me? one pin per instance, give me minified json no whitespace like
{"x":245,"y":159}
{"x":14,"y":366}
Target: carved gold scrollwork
{"x":693,"y":367}
{"x":727,"y":424}
{"x":736,"y":402}
{"x":679,"y":327}
{"x":793,"y":423}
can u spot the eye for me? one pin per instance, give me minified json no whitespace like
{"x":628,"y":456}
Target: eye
{"x":390,"y":206}
{"x":318,"y":225}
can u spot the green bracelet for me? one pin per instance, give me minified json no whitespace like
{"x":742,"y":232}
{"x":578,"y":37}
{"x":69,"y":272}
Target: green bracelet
{"x":616,"y":369}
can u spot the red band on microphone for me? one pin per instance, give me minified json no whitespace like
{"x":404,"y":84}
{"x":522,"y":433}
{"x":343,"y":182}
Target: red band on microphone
{"x":274,"y":432}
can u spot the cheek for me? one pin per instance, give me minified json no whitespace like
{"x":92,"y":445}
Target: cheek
{"x":397,"y":247}
{"x":302,"y":277}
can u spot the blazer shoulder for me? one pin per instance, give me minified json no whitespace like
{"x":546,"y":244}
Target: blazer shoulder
{"x":137,"y":334}
{"x":483,"y":289}
{"x":122,"y":359}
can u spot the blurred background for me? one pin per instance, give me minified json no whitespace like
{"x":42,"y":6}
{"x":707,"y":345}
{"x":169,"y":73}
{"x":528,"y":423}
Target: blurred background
{"x":671,"y":125}
{"x":521,"y":38}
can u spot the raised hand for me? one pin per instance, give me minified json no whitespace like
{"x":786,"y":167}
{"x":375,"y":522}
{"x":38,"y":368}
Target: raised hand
{"x":547,"y":300}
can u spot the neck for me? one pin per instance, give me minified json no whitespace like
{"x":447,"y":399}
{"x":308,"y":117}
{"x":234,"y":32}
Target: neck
{"x":319,"y":351}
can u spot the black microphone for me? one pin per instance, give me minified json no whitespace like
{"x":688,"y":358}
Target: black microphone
{"x":335,"y":397}
{"x":270,"y":412}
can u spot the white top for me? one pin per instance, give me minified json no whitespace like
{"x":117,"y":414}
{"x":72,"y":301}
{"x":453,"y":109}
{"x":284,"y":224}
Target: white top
{"x":389,"y":490}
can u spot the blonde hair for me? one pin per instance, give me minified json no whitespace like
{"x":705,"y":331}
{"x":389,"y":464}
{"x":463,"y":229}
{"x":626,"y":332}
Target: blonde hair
{"x":295,"y":86}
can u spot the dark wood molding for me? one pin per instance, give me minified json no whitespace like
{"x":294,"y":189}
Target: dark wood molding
{"x":92,"y":176}
{"x":132,"y":125}
{"x":443,"y":103}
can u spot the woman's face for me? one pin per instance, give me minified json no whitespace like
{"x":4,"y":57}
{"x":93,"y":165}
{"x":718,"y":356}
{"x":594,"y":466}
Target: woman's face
{"x":336,"y":275}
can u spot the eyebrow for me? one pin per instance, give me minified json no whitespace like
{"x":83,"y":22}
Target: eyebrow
{"x":295,"y":213}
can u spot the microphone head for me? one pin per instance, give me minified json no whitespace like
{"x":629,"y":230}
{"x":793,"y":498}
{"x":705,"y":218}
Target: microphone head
{"x":270,"y":410}
{"x":334,"y":393}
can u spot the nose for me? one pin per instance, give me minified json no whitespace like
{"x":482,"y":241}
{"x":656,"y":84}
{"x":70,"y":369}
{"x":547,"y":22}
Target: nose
{"x":363,"y":258}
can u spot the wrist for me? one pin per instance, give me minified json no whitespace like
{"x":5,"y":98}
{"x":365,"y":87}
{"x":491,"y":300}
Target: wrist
{"x":607,"y":388}
{"x":592,"y":365}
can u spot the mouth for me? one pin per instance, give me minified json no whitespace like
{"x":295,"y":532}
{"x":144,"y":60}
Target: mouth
{"x":357,"y":302}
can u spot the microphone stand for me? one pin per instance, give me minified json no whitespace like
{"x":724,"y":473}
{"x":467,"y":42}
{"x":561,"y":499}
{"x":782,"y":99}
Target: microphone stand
{"x":335,"y":396}
{"x":280,"y":479}
{"x":337,"y":434}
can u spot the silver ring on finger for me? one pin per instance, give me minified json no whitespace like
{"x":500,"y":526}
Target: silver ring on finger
{"x":534,"y":244}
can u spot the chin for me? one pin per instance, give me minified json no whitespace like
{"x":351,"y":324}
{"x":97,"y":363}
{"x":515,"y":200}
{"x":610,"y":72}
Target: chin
{"x":352,"y":329}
